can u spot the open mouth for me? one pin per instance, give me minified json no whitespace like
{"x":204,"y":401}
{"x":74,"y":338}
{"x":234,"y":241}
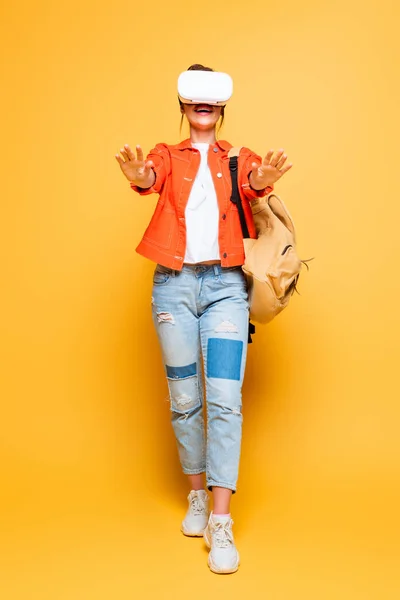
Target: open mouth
{"x":203,"y":109}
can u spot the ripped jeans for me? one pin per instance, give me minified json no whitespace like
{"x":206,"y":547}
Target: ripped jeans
{"x":201,"y":315}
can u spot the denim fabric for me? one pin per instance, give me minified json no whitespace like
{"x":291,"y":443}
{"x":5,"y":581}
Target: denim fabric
{"x":201,"y":315}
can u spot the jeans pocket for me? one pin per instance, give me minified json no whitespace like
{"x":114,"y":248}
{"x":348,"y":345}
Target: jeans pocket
{"x":232,"y":276}
{"x":161,"y":275}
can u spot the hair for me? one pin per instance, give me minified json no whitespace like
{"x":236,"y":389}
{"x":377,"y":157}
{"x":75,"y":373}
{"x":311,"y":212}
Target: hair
{"x":198,"y":67}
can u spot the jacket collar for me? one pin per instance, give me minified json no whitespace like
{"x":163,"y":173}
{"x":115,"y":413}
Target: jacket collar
{"x":223,"y":144}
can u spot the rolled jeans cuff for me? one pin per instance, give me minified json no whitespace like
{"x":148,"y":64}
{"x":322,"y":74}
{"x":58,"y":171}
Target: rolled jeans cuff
{"x":193,"y":471}
{"x":229,"y":486}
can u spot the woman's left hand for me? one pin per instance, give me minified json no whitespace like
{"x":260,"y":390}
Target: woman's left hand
{"x":270,"y":170}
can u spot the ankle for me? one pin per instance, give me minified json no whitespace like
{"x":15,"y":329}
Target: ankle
{"x":196,"y":481}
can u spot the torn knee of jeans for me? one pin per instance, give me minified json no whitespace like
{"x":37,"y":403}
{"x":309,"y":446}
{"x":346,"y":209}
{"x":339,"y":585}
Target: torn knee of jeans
{"x":224,"y":408}
{"x":184,"y":404}
{"x":227,"y":327}
{"x":182,"y":400}
{"x":165,"y":317}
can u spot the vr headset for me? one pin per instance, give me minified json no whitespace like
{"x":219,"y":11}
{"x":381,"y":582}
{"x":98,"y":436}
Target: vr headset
{"x":204,"y":87}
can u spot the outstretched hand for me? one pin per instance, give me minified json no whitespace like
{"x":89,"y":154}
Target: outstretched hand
{"x":136,"y":169}
{"x":270,"y":170}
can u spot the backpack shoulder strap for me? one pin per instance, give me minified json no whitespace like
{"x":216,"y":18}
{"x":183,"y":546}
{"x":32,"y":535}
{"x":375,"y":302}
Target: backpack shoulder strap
{"x":234,"y":151}
{"x":233,"y":155}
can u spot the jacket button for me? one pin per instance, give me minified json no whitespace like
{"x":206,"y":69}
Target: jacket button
{"x":224,"y":216}
{"x":225,"y":255}
{"x":219,"y":175}
{"x":215,"y":149}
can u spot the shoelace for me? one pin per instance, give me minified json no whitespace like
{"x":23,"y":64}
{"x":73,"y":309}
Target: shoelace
{"x":222,"y":534}
{"x":197,"y":507}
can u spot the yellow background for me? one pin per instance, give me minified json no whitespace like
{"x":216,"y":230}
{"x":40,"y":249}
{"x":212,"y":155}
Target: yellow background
{"x":92,"y":495}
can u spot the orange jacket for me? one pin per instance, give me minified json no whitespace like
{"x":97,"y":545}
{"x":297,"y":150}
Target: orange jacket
{"x":175,"y":167}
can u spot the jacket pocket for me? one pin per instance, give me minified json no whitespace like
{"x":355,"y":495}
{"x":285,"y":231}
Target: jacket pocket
{"x":162,"y":226}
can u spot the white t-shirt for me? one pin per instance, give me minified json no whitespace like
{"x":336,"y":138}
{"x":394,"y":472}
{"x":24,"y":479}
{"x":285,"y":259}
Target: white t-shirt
{"x":202,"y":214}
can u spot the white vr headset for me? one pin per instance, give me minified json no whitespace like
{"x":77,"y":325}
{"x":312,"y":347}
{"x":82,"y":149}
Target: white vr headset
{"x":204,"y":87}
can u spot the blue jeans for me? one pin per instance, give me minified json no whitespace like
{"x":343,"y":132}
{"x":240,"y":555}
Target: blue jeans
{"x":201,"y":315}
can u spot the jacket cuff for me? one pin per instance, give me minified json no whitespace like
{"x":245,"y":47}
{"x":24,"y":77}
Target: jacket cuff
{"x":143,"y":191}
{"x":251,"y":192}
{"x":146,"y":191}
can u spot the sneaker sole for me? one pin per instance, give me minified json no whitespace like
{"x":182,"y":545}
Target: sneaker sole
{"x":192,"y":533}
{"x":215,"y":569}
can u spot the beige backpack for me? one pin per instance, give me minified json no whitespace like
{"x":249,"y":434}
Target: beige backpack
{"x":272,"y":266}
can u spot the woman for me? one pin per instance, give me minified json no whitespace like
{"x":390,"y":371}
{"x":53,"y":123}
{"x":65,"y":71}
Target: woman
{"x":200,"y":304}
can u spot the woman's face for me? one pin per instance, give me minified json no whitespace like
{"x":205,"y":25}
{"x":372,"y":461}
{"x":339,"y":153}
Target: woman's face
{"x":201,"y":116}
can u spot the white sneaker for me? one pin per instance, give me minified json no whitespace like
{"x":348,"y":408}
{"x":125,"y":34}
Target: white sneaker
{"x":223,"y":556}
{"x":197,"y":514}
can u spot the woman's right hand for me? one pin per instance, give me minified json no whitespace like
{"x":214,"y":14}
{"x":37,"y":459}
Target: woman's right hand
{"x":136,"y":170}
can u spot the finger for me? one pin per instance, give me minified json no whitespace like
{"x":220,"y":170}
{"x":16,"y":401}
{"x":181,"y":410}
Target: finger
{"x":285,"y":169}
{"x":139,"y":153}
{"x":124,"y":154}
{"x":129,"y":152}
{"x":254,"y":168}
{"x":276,"y":158}
{"x":119,"y":159}
{"x":267,"y":158}
{"x":149,"y":164}
{"x":122,"y":151}
{"x":281,"y":161}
